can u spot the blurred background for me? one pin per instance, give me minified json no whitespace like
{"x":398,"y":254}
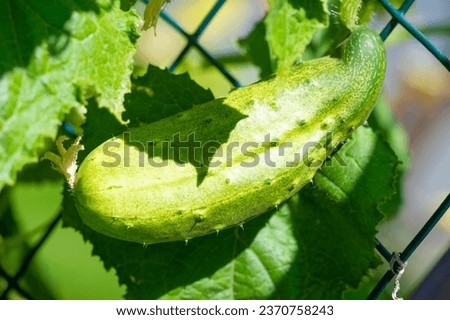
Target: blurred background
{"x":417,"y":88}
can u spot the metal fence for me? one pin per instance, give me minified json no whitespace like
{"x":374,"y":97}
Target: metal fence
{"x":397,"y":260}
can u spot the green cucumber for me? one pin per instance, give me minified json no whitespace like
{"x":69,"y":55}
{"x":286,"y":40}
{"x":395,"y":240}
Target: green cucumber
{"x":260,"y":145}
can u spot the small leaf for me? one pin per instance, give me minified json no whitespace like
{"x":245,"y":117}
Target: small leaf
{"x":349,"y":12}
{"x":151,"y":13}
{"x":290,"y":27}
{"x":369,"y":7}
{"x":66,"y":161}
{"x":155,"y":95}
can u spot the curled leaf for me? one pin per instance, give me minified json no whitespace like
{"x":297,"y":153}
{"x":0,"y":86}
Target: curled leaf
{"x":151,"y":13}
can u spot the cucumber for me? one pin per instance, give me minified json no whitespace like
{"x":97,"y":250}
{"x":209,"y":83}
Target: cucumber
{"x":229,"y":160}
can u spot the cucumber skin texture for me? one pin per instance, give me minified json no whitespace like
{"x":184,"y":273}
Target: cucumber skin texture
{"x":160,"y":204}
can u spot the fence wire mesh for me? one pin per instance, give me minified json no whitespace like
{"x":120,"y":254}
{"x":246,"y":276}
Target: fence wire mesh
{"x":397,"y":260}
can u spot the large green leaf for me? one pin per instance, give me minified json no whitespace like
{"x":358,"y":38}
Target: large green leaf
{"x":53,"y":56}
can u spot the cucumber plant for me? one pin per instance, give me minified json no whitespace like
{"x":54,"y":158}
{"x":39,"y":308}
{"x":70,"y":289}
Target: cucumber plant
{"x":258,"y":146}
{"x":194,"y":173}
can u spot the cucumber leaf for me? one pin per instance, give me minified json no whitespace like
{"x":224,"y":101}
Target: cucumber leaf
{"x":257,"y":49}
{"x":342,"y":16}
{"x":60,"y":54}
{"x":383,"y":121}
{"x":290,"y":26}
{"x":305,"y":32}
{"x":127,"y":4}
